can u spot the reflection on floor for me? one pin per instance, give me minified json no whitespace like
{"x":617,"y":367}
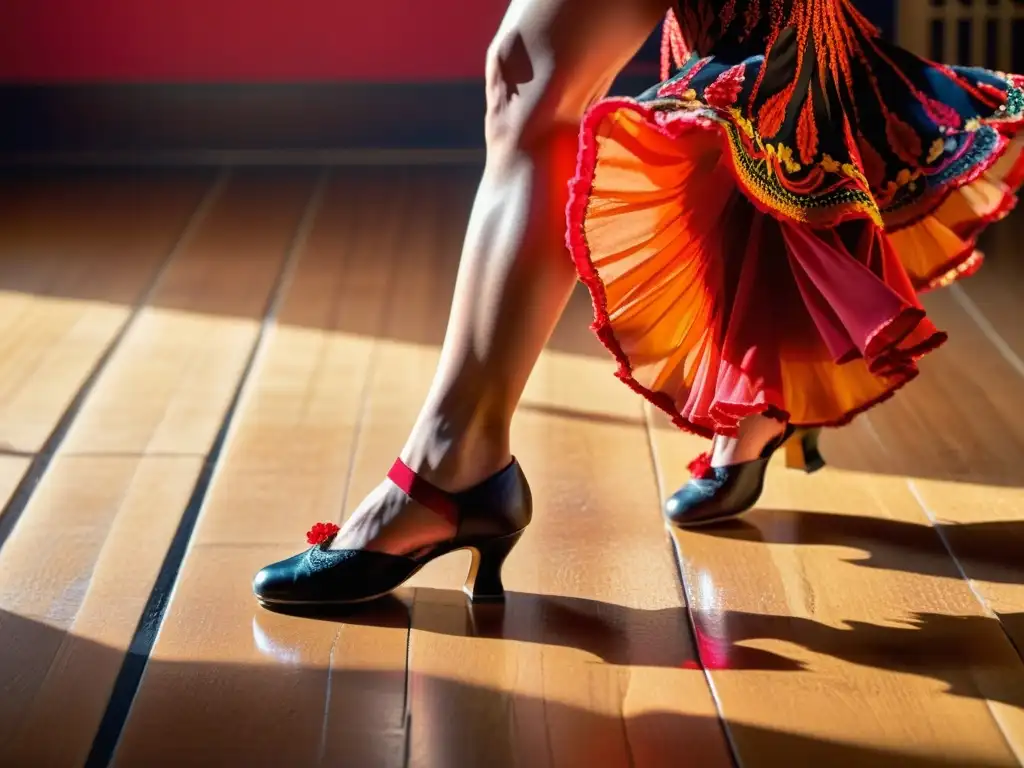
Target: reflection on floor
{"x":196,"y":366}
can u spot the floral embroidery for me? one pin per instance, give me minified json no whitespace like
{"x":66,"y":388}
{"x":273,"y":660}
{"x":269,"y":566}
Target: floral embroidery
{"x":773,"y":113}
{"x":807,"y":134}
{"x":1015,"y":98}
{"x":851,"y":170}
{"x":898,"y":139}
{"x":726,"y":89}
{"x":770,"y":190}
{"x":680,"y":91}
{"x":679,"y":86}
{"x":903,"y":139}
{"x":942,"y":114}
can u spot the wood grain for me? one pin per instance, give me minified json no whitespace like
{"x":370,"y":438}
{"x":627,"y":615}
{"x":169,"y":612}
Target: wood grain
{"x":827,"y":647}
{"x":867,"y":615}
{"x":993,"y":295}
{"x":75,"y":256}
{"x":77,"y":570}
{"x":859,"y":607}
{"x":166,"y":388}
{"x":303,"y":691}
{"x":977,"y":506}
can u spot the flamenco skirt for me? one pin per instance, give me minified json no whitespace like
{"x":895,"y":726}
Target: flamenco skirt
{"x":744,"y":263}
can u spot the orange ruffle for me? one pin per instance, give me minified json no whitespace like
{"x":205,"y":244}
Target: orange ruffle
{"x":941,"y":247}
{"x":716,"y":307}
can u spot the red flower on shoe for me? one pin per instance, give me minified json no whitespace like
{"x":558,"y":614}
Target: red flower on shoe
{"x":321,"y":533}
{"x":700,"y":467}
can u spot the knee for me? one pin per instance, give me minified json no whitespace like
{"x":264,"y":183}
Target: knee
{"x":529,"y":97}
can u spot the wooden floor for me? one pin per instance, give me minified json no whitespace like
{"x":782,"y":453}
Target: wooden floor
{"x":195,"y":366}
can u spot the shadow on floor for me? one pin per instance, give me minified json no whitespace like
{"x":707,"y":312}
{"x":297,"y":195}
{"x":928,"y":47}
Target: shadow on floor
{"x":991,"y":551}
{"x":283,"y":711}
{"x":949,"y":649}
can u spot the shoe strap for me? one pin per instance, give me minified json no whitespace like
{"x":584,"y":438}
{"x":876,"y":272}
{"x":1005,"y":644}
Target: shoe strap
{"x":424,"y":492}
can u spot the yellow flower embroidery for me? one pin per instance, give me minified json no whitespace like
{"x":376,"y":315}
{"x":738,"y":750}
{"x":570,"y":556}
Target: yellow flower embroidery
{"x":769,"y":153}
{"x":744,"y":124}
{"x":830,"y":165}
{"x":852,"y":171}
{"x":904,"y":178}
{"x":938,"y":147}
{"x":785,"y":155}
{"x":972,"y":125}
{"x":757,"y":176}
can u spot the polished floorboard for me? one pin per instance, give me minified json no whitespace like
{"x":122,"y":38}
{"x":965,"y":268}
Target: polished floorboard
{"x":196,"y":365}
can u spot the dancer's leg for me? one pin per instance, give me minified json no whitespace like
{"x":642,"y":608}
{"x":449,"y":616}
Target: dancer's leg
{"x":755,"y":432}
{"x":549,"y":61}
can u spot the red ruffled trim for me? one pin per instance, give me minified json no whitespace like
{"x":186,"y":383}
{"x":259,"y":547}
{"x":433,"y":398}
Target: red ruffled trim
{"x":973,"y":229}
{"x":969,"y":260}
{"x":580,"y":188}
{"x":963,"y":265}
{"x":1007,"y":127}
{"x":900,"y":363}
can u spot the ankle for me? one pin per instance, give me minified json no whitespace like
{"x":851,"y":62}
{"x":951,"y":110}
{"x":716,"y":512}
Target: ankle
{"x":458,"y":460}
{"x":754,"y":434}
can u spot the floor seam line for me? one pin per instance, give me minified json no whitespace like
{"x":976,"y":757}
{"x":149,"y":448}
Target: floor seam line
{"x":43,"y":458}
{"x":677,"y":560}
{"x":133,"y":668}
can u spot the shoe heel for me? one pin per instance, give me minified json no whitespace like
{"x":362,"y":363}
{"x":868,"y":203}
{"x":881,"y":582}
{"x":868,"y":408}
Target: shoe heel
{"x":483,"y":584}
{"x":802,"y":451}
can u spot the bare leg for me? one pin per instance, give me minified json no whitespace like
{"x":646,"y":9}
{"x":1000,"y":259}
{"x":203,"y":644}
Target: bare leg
{"x":549,"y":61}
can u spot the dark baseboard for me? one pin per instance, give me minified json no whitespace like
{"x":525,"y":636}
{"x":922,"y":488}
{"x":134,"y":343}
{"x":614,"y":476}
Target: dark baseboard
{"x":123,"y":119}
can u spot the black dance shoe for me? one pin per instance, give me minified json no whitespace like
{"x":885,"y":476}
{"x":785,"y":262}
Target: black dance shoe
{"x":718,"y":494}
{"x":489,"y":520}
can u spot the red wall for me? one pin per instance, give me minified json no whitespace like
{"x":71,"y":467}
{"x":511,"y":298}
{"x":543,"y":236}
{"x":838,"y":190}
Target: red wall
{"x":244,"y":40}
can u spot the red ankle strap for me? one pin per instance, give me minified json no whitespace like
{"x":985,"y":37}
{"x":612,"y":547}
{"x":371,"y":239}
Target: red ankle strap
{"x":424,"y":492}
